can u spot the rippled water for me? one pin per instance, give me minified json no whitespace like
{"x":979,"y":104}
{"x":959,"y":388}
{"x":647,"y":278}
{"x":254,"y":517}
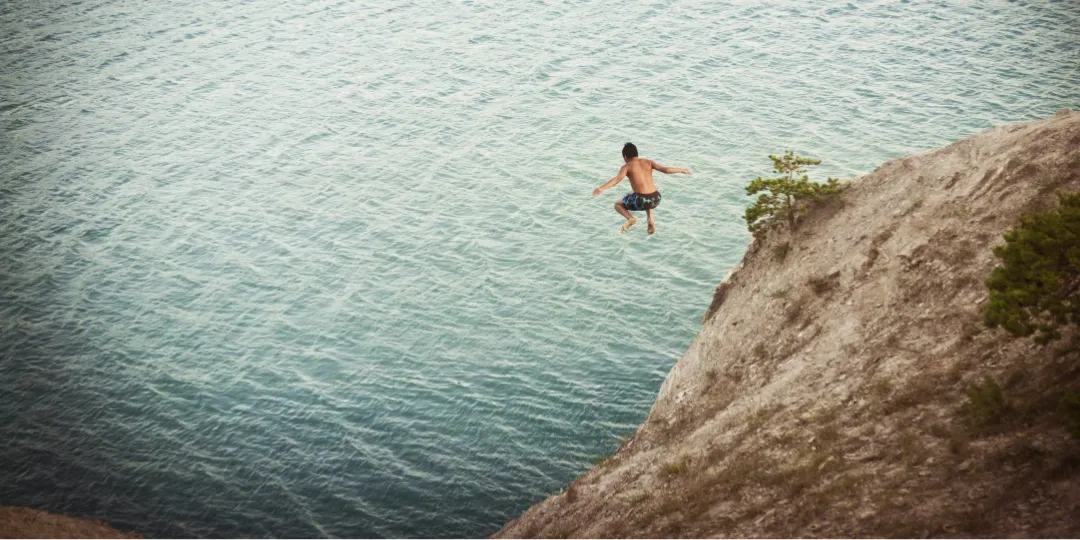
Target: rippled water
{"x":320,"y":268}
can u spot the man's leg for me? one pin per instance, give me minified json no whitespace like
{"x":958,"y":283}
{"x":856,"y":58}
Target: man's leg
{"x":652,"y":226}
{"x":630,"y":220}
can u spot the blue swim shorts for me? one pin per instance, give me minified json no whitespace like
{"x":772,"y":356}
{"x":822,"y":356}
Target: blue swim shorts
{"x":639,"y":203}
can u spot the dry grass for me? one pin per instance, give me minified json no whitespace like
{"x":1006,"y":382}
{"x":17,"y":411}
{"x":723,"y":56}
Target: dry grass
{"x":815,"y":483}
{"x":914,"y":207}
{"x":779,"y":294}
{"x":958,"y":442}
{"x":780,"y":252}
{"x":571,"y":493}
{"x":795,"y":310}
{"x":760,"y":352}
{"x":911,"y":448}
{"x":735,"y":376}
{"x":889,"y":399}
{"x":969,"y":330}
{"x":893,"y":341}
{"x":807,"y":473}
{"x":674,"y":468}
{"x":710,"y":378}
{"x":883,"y":236}
{"x":821,"y":285}
{"x":876,"y":390}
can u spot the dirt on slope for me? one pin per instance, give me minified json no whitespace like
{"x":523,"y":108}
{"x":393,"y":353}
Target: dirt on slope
{"x":825,"y":393}
{"x":18,"y":522}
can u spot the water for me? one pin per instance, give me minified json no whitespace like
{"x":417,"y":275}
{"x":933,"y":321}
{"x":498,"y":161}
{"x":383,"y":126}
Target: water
{"x":320,"y":268}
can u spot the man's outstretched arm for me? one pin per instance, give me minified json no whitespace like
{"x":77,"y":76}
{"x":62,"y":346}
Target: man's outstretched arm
{"x":670,"y":170}
{"x":618,"y":178}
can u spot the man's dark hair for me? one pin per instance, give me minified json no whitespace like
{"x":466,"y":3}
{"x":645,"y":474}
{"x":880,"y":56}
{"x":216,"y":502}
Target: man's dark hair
{"x":629,"y":150}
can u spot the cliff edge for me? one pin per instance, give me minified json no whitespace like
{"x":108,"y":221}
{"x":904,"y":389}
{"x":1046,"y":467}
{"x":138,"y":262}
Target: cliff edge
{"x":825,"y":392}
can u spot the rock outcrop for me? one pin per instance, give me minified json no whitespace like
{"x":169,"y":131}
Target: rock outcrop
{"x":825,"y":392}
{"x":18,"y":522}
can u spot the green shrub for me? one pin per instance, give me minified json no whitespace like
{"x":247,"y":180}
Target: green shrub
{"x":785,"y":197}
{"x":1036,"y":290}
{"x":985,"y":403}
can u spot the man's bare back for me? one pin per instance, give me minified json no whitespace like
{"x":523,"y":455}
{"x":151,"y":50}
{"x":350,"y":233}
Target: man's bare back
{"x":639,"y":170}
{"x":645,"y":196}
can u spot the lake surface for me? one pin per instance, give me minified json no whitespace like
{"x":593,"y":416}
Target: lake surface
{"x":331,"y":268}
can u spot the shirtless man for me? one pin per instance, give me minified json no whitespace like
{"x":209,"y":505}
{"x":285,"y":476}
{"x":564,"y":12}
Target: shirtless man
{"x":645,"y":196}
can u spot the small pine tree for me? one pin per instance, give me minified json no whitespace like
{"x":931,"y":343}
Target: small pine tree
{"x":787,"y":194}
{"x":1036,"y":289}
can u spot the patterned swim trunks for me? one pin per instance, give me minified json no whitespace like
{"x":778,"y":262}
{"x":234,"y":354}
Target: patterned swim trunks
{"x":639,"y":203}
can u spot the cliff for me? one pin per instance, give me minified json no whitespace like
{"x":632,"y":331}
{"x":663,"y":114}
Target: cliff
{"x":27,"y":523}
{"x":825,"y":392}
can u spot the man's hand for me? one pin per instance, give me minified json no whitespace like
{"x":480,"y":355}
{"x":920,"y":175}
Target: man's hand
{"x":669,"y":170}
{"x":596,"y":192}
{"x":686,"y":171}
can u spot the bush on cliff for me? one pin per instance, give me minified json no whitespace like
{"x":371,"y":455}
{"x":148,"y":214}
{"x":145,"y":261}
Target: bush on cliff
{"x":986,"y":405}
{"x":785,"y":197}
{"x":1036,"y":289}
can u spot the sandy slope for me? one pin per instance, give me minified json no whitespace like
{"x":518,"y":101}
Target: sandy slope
{"x":824,"y":394}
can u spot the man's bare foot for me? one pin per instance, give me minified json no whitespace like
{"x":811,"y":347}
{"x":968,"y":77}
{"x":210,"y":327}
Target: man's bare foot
{"x":629,"y":223}
{"x":652,"y":227}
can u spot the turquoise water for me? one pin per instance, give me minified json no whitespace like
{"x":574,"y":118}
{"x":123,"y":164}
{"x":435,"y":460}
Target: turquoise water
{"x":320,"y":268}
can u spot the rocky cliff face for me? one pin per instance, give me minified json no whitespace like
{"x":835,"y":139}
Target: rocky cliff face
{"x":825,"y":392}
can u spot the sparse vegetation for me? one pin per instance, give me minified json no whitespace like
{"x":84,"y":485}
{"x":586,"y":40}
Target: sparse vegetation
{"x":787,"y":195}
{"x":561,"y":535}
{"x":958,"y":442}
{"x":780,"y":252}
{"x":1036,"y":290}
{"x":760,"y":352}
{"x":674,"y":468}
{"x":986,"y":405}
{"x":779,"y":294}
{"x":969,"y":330}
{"x":918,"y":390}
{"x":710,"y":378}
{"x":821,"y":285}
{"x":794,"y":310}
{"x":893,"y":341}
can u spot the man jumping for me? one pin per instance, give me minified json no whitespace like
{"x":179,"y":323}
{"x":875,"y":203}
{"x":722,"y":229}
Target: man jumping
{"x":645,"y":196}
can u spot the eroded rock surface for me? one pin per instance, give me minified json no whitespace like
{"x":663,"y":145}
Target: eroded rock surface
{"x":824,"y":394}
{"x":18,"y":522}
